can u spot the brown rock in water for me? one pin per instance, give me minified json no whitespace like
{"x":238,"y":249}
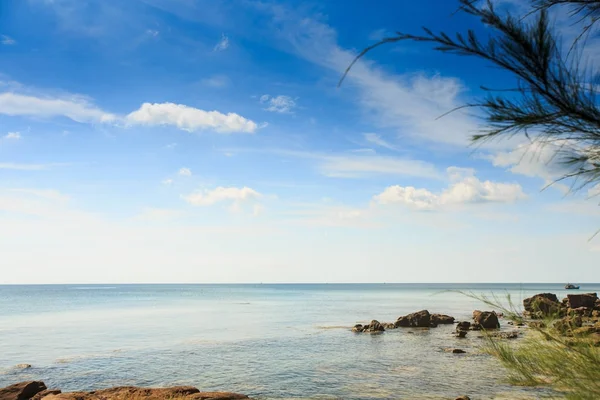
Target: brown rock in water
{"x":442,"y":319}
{"x":541,"y":305}
{"x":582,"y":300}
{"x":486,"y":319}
{"x":388,"y":325}
{"x":463,"y":398}
{"x":23,"y":366}
{"x":22,"y":391}
{"x":463,"y":326}
{"x":461,"y":334}
{"x":358,"y":328}
{"x":374,"y":326}
{"x":30,"y":390}
{"x":419,"y":319}
{"x":455,"y":351}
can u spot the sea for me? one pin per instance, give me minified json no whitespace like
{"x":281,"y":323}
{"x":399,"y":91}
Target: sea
{"x":269,"y":341}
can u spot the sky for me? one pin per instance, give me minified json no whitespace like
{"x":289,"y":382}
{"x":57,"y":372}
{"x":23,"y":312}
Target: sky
{"x":168,"y":141}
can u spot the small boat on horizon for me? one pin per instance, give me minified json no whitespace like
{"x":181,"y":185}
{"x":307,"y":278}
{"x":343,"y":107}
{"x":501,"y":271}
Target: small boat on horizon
{"x":569,"y":286}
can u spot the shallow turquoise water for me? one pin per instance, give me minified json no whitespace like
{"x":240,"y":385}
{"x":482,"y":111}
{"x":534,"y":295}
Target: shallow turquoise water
{"x":268,"y":341}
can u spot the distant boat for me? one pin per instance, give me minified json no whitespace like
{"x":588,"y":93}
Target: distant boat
{"x":569,"y":286}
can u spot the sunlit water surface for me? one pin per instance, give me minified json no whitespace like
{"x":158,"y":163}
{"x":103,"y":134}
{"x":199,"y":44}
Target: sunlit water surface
{"x":267,"y":341}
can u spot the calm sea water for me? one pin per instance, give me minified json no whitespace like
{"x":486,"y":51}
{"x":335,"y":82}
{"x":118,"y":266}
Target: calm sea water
{"x":267,"y":341}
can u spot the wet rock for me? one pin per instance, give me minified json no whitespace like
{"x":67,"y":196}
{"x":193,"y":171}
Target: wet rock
{"x":463,"y":398}
{"x":455,"y":351}
{"x":486,"y":319}
{"x":45,"y":393}
{"x":461,"y":334}
{"x":23,"y":366}
{"x":374,"y":327}
{"x":419,"y":319}
{"x":22,"y":391}
{"x":38,"y":391}
{"x":388,"y":325}
{"x":442,"y":319}
{"x":582,"y":300}
{"x":463,"y":326}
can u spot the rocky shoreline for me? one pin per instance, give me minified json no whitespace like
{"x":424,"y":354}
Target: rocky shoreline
{"x":576,"y":315}
{"x":37,"y":390}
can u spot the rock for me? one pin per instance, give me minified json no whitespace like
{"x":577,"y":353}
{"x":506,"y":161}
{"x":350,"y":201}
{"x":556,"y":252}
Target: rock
{"x":463,"y":398}
{"x":486,"y":319}
{"x":505,"y":335}
{"x":566,"y":325}
{"x":419,"y":319}
{"x":375,"y":326}
{"x":23,"y":366}
{"x":582,"y":300}
{"x":388,"y":325}
{"x":22,"y":391}
{"x":121,"y":393}
{"x":581,"y":311}
{"x":442,"y":319}
{"x":463,"y":326}
{"x":455,"y":351}
{"x":542,"y":305}
{"x":461,"y":334}
{"x":45,"y":393}
{"x":357,"y":328}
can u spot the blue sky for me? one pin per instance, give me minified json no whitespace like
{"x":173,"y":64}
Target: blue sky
{"x":205,"y":141}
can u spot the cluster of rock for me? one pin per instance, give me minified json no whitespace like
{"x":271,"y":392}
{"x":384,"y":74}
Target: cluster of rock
{"x":575,"y":315}
{"x":36,"y":390}
{"x":547,"y":304}
{"x":482,"y":320}
{"x":419,"y":319}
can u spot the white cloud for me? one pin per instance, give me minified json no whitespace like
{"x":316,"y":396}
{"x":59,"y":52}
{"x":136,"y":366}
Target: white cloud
{"x":13,"y":135}
{"x":223,"y":44}
{"x":189,"y":118}
{"x":76,"y":108}
{"x":7,"y":40}
{"x":281,"y":104}
{"x":216,"y":81}
{"x":222,"y":194}
{"x":536,"y":160}
{"x":152,"y":32}
{"x":376,"y":139}
{"x":356,"y":166}
{"x":464,"y":188}
{"x":25,"y":167}
{"x":184,"y":172}
{"x":167,"y":182}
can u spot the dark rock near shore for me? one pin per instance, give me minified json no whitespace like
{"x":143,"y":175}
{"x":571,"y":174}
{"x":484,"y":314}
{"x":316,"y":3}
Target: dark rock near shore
{"x":486,"y":319}
{"x":582,"y":300}
{"x":37,"y":391}
{"x":463,"y":398}
{"x":419,"y":319}
{"x":542,"y":305}
{"x":374,"y":327}
{"x":455,"y":351}
{"x":461,"y":334}
{"x":22,"y":391}
{"x":441,"y":319}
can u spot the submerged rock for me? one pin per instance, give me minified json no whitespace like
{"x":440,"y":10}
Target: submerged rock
{"x":37,"y":391}
{"x":373,"y":327}
{"x":22,"y":391}
{"x":485,"y":319}
{"x":23,"y":366}
{"x":455,"y":351}
{"x":463,"y":398}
